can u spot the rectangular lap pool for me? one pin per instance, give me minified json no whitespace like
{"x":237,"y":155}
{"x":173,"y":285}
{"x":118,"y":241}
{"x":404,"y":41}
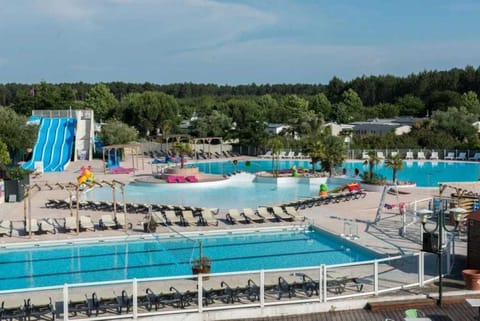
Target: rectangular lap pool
{"x":104,"y":260}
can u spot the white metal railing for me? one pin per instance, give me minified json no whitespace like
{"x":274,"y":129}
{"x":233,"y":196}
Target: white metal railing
{"x":254,"y":289}
{"x":60,"y":113}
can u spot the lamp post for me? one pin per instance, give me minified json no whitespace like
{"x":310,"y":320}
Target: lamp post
{"x":440,"y":227}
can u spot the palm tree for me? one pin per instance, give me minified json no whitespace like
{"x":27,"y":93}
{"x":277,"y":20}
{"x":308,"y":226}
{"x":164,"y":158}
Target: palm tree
{"x":371,"y":162}
{"x":276,"y":146}
{"x":182,"y":149}
{"x":396,"y":164}
{"x":332,"y":153}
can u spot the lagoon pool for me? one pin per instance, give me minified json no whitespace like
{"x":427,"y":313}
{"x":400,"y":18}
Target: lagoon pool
{"x":46,"y":265}
{"x":424,"y":173}
{"x":239,"y":191}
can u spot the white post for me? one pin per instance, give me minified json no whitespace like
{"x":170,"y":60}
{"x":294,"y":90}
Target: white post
{"x":421,"y":269}
{"x":65,"y":302}
{"x":324,"y":283}
{"x":135,"y":298}
{"x":200,"y":292}
{"x":262,"y":289}
{"x":375,"y":277}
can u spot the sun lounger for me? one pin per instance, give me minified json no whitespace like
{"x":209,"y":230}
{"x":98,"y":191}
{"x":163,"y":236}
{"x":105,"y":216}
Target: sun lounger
{"x":290,"y":210}
{"x":6,"y":227}
{"x":191,"y":179}
{"x":172,"y":218}
{"x":251,"y":215}
{"x":171,"y":179}
{"x":409,"y":155}
{"x":181,"y":179}
{"x":450,"y":156}
{"x":46,"y":225}
{"x":120,"y":220}
{"x":337,"y":283}
{"x":234,"y":216}
{"x":280,"y":214}
{"x":107,"y":300}
{"x":207,"y":218}
{"x":475,"y":157}
{"x":189,"y":218}
{"x":70,"y":224}
{"x":434,"y":156}
{"x":421,"y":156}
{"x":174,"y":298}
{"x":107,"y":221}
{"x":86,"y":223}
{"x":268,"y":154}
{"x":263,"y":212}
{"x":13,"y":308}
{"x":31,"y":226}
{"x":80,"y":303}
{"x":39,"y":307}
{"x":461,"y":156}
{"x":365,"y":155}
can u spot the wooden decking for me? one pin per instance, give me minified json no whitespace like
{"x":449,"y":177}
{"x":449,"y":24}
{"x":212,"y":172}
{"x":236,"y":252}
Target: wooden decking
{"x":456,"y":310}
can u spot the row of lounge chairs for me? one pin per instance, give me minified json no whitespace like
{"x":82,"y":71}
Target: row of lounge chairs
{"x":157,"y":296}
{"x":274,"y":213}
{"x":130,"y":207}
{"x":284,"y":155}
{"x":14,"y":308}
{"x":183,"y":218}
{"x":328,"y":199}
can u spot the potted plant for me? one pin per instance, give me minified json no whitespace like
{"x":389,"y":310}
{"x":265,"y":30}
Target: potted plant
{"x":202,"y":264}
{"x":472,"y":279}
{"x":17,"y":178}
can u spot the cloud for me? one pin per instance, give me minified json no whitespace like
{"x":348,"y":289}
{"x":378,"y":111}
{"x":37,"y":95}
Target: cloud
{"x":66,"y":10}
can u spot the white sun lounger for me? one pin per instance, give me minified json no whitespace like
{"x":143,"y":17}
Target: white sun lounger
{"x":208,"y":218}
{"x":234,"y":216}
{"x":172,"y":218}
{"x":86,"y":223}
{"x":409,"y":155}
{"x":107,"y":221}
{"x":31,"y":226}
{"x":280,"y":214}
{"x":263,"y":212}
{"x":450,"y":156}
{"x":290,"y":210}
{"x":434,"y":155}
{"x":420,"y":156}
{"x":46,"y":225}
{"x":189,"y":218}
{"x":70,"y":223}
{"x":252,"y":216}
{"x":475,"y":157}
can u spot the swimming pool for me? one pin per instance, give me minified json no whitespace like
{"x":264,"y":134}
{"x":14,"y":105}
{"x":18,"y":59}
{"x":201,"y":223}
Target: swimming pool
{"x":140,"y":258}
{"x":424,"y":173}
{"x":239,"y":191}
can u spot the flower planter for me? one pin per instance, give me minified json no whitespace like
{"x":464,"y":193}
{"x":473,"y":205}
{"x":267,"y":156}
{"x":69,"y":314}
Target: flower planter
{"x":203,"y":269}
{"x":472,"y":279}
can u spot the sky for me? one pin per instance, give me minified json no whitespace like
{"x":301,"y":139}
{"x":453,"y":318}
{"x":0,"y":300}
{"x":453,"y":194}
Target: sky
{"x":233,"y":42}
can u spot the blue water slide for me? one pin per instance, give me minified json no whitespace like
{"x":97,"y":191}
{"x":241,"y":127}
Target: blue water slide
{"x":61,"y":149}
{"x":65,"y":152}
{"x":52,"y":141}
{"x":38,"y":149}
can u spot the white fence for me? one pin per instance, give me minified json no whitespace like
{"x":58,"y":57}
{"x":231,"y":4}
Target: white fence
{"x":137,"y":298}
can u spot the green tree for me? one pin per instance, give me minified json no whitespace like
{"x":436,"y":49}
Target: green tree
{"x":276,"y":146}
{"x":4,"y":155}
{"x":395,"y":163}
{"x":332,"y":153}
{"x":116,"y":132}
{"x":146,"y":111}
{"x":410,"y":105}
{"x":457,"y":122}
{"x":216,"y":124}
{"x":182,"y":149}
{"x":371,"y":162}
{"x":471,"y":103}
{"x":101,"y":101}
{"x":321,"y":105}
{"x":16,"y":133}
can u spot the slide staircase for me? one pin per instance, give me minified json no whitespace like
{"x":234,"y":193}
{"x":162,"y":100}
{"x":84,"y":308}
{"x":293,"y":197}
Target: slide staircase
{"x":54,"y":144}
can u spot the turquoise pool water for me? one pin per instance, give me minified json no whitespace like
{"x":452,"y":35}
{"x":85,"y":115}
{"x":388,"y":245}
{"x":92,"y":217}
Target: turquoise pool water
{"x":424,"y":173}
{"x":239,"y":191}
{"x":50,"y":266}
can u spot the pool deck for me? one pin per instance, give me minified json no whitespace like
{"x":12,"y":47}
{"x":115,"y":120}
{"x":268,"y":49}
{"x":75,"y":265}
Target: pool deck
{"x":381,"y":236}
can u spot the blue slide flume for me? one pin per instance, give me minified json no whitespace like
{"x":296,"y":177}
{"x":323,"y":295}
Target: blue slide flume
{"x":54,"y":144}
